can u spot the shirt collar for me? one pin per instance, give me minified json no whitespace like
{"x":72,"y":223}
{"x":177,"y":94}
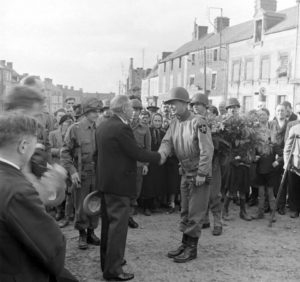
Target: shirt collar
{"x":122,"y":119}
{"x":9,"y":163}
{"x":87,"y":124}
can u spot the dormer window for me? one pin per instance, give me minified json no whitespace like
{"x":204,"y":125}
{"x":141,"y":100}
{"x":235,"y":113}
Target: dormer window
{"x":258,"y":31}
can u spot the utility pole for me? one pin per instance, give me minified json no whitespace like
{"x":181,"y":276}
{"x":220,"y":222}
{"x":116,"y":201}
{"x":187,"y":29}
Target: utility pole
{"x":143,"y":57}
{"x":204,"y":52}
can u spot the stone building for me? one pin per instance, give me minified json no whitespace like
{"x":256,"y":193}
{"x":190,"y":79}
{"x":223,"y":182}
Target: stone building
{"x":267,"y":59}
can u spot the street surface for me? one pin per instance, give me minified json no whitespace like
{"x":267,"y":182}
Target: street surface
{"x":245,"y":252}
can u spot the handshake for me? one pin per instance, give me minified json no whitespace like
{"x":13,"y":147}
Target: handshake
{"x":163,"y":157}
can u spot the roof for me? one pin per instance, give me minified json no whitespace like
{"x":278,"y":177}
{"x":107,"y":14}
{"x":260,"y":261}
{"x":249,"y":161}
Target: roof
{"x":236,"y":33}
{"x":154,"y":71}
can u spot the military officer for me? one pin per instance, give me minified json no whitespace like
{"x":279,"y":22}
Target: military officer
{"x":200,"y":104}
{"x":77,"y":157}
{"x":190,"y":138}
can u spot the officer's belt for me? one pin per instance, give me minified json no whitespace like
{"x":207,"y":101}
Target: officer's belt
{"x":190,"y":165}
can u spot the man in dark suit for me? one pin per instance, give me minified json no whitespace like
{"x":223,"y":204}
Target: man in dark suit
{"x":117,"y":156}
{"x":32,"y":247}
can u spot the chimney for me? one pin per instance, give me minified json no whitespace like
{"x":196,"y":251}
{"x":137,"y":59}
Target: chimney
{"x":221,"y":23}
{"x":80,"y":90}
{"x":10,"y":65}
{"x":199,"y":31}
{"x":165,"y":54}
{"x":48,"y":80}
{"x":131,"y":64}
{"x":72,"y":88}
{"x":266,"y":5}
{"x":2,"y":63}
{"x":66,"y":87}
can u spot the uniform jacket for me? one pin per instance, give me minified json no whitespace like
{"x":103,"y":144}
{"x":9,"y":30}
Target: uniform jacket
{"x":117,"y":154}
{"x":142,"y":136}
{"x":56,"y":143}
{"x":294,"y":133}
{"x":191,"y":140}
{"x":32,"y":247}
{"x":79,"y":139}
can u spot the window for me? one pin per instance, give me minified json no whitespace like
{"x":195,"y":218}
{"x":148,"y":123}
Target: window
{"x":213,"y":81}
{"x":282,"y":71}
{"x":247,"y":103}
{"x":172,"y":64}
{"x":209,"y":56}
{"x":179,"y":63}
{"x":265,"y":68}
{"x":192,"y":80}
{"x":165,"y":66}
{"x":236,"y":71}
{"x":249,"y":70}
{"x":215,"y":55}
{"x":280,"y":99}
{"x":193,"y":59}
{"x":258,"y":31}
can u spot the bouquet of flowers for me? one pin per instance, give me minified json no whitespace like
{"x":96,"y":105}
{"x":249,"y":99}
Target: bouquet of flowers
{"x":238,"y":133}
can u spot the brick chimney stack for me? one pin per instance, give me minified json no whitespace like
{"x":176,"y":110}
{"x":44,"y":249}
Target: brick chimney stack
{"x":9,"y":65}
{"x":199,"y":31}
{"x":266,"y":5}
{"x":221,"y":23}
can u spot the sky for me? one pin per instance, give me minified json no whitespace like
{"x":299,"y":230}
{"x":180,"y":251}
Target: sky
{"x":87,"y":43}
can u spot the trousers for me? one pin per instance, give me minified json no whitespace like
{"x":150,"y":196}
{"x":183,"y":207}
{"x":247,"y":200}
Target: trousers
{"x":139,"y":183}
{"x":215,"y":205}
{"x":82,"y":220}
{"x":194,"y":204}
{"x":115,"y":214}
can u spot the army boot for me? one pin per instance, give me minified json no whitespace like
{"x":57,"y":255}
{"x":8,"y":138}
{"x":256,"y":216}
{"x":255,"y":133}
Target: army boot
{"x":180,"y":249}
{"x":92,"y":239}
{"x":272,"y":202}
{"x":217,"y":231}
{"x":225,"y":212}
{"x":190,"y":252}
{"x":82,"y":241}
{"x":243,"y":213}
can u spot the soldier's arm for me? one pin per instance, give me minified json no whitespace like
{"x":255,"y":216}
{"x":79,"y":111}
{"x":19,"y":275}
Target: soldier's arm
{"x":206,"y":148}
{"x":288,"y":146}
{"x":67,"y":152}
{"x":166,"y":146}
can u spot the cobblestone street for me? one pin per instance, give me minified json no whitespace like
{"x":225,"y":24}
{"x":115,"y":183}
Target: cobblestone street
{"x":245,"y":252}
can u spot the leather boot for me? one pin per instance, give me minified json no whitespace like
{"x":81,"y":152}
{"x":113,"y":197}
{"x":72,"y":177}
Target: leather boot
{"x":82,"y":241}
{"x":272,"y":202}
{"x":180,"y":249}
{"x":243,"y":213}
{"x":261,"y":207}
{"x":190,"y":252}
{"x":92,"y":239}
{"x":225,"y":212}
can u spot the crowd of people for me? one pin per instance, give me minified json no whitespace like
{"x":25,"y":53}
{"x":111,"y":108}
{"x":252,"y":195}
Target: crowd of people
{"x":188,"y":169}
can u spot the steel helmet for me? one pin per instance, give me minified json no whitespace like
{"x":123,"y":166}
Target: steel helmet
{"x":232,"y":102}
{"x":178,"y":93}
{"x":200,"y":98}
{"x":91,"y":104}
{"x":136,"y":104}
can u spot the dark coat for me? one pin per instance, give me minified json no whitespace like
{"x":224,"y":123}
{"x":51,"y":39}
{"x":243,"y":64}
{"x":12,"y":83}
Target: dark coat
{"x":116,"y":157}
{"x":32,"y":247}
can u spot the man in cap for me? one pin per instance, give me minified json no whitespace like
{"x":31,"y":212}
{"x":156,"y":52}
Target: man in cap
{"x":143,"y":138}
{"x":289,"y":111}
{"x":105,"y":112}
{"x":222,"y":108}
{"x":261,"y":101}
{"x":117,"y":155}
{"x":77,"y":157}
{"x":200,"y":105}
{"x":190,"y":138}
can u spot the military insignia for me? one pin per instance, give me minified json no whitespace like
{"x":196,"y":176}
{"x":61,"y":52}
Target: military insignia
{"x":203,"y":128}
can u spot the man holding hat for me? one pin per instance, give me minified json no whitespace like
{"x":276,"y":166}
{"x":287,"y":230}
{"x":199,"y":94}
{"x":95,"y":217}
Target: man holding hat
{"x":190,"y":138}
{"x":77,"y":157}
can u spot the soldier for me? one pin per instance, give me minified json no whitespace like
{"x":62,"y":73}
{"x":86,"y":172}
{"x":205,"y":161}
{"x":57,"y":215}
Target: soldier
{"x":200,"y":105}
{"x":143,"y":138}
{"x":77,"y":157}
{"x":190,"y":138}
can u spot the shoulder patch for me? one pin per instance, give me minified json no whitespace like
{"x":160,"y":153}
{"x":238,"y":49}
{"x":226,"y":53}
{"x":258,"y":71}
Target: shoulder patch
{"x":202,"y":128}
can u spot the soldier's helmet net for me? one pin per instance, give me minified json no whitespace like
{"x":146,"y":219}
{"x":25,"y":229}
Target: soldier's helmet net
{"x":232,"y":102}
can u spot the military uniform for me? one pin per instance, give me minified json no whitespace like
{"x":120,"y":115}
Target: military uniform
{"x":190,"y":138}
{"x":77,"y":155}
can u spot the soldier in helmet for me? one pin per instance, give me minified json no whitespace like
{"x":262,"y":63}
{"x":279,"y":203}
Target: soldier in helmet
{"x":143,"y":137}
{"x":200,"y":105}
{"x":189,"y":137}
{"x":238,"y":178}
{"x":77,"y":157}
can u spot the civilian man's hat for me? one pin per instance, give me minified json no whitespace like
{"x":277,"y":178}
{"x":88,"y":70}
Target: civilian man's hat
{"x":91,"y":105}
{"x":92,"y":204}
{"x":65,"y":118}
